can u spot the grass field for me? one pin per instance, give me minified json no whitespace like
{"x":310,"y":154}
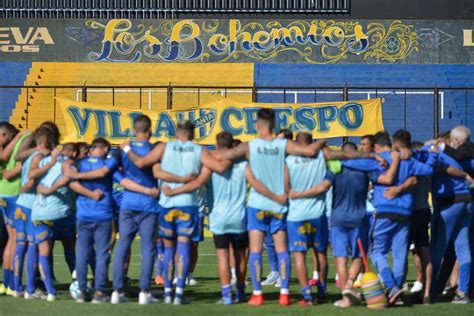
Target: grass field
{"x":203,"y":297}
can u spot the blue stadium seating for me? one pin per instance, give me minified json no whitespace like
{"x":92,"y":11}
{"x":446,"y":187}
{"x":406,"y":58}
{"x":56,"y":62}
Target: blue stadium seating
{"x":13,"y":73}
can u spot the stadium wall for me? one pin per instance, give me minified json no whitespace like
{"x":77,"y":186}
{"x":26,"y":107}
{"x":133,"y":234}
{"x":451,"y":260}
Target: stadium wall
{"x":383,"y":56}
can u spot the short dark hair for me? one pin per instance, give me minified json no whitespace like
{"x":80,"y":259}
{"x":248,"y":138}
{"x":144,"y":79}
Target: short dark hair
{"x":304,"y":137}
{"x":224,"y":139}
{"x":71,"y":146}
{"x":100,"y":141}
{"x":416,"y":145}
{"x":53,"y":129}
{"x":11,"y":129}
{"x":349,"y":144}
{"x":81,"y":145}
{"x":382,"y":139}
{"x":287,"y":133}
{"x":142,"y":123}
{"x":267,"y":115}
{"x":236,"y":142}
{"x":369,"y":137}
{"x":46,"y":135}
{"x":188,"y":127}
{"x":403,"y":137}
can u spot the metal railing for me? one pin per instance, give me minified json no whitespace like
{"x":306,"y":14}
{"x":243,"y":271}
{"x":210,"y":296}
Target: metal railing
{"x":144,"y":9}
{"x":438,"y":108}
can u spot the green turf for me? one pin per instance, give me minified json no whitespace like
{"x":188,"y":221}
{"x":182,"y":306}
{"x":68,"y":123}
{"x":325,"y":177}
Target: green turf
{"x":202,"y":297}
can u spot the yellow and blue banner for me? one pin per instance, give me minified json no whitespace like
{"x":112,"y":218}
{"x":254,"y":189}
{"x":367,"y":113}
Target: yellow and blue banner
{"x":86,"y":121}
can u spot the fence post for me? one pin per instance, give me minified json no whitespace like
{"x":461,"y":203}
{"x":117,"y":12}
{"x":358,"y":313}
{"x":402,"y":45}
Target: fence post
{"x":254,"y":93}
{"x":54,"y":108}
{"x":169,"y":100}
{"x":435,"y":111}
{"x":345,"y":97}
{"x":84,"y":93}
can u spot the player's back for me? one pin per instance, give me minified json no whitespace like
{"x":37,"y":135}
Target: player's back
{"x":267,"y":162}
{"x":26,"y":199}
{"x":137,"y":201}
{"x":305,"y":173}
{"x":226,"y":199}
{"x":181,"y":159}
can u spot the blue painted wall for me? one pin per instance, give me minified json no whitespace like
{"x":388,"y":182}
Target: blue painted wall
{"x":12,"y":73}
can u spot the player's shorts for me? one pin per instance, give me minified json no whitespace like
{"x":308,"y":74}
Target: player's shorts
{"x":344,"y":240}
{"x":419,"y":227}
{"x":238,"y":241}
{"x":265,"y":221}
{"x":60,"y":229}
{"x":198,"y":233}
{"x":177,"y":221}
{"x":8,"y":206}
{"x":304,"y":235}
{"x":24,"y":228}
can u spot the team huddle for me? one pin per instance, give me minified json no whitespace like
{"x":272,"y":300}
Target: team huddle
{"x":287,"y":196}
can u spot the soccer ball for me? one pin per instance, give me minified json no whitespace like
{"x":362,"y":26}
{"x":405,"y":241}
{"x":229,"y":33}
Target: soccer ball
{"x":74,"y":289}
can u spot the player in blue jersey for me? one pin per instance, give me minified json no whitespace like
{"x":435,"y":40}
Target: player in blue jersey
{"x":32,"y":171}
{"x":266,"y":156}
{"x":177,"y":219}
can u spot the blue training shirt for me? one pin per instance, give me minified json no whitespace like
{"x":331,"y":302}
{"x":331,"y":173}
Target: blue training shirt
{"x":27,"y":199}
{"x":87,"y":208}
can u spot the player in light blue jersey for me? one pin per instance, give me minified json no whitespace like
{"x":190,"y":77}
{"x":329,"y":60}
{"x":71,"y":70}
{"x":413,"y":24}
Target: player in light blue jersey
{"x":307,"y":224}
{"x":180,"y":157}
{"x":31,"y":174}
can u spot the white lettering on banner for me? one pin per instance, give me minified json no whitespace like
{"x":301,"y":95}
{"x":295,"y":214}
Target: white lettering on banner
{"x":468,"y":40}
{"x":14,"y":40}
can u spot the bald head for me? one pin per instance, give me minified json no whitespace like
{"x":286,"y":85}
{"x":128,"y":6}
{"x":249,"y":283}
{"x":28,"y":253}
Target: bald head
{"x":459,"y":135}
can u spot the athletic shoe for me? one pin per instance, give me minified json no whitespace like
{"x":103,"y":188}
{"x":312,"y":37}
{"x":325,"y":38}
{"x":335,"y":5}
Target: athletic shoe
{"x":461,"y":299}
{"x":450,"y":290}
{"x":340,"y":304}
{"x":3,"y":289}
{"x":81,"y":298}
{"x":394,"y":294}
{"x":353,"y":296}
{"x":271,"y":279}
{"x":191,"y":281}
{"x":175,"y":281}
{"x":168,"y":299}
{"x":145,"y":298}
{"x":256,"y":300}
{"x":417,"y":287}
{"x":51,"y":297}
{"x":240,"y":298}
{"x":225,"y":301}
{"x":306,"y":303}
{"x":285,"y":299}
{"x":37,"y":295}
{"x":10,"y":292}
{"x":180,"y":301}
{"x":159,"y":280}
{"x":427,"y":300}
{"x":100,"y":299}
{"x":313,"y":282}
{"x":278,"y":283}
{"x":118,"y":297}
{"x":19,"y":294}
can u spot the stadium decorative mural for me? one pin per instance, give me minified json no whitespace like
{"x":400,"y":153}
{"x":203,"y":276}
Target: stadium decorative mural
{"x":284,"y":41}
{"x":317,"y":41}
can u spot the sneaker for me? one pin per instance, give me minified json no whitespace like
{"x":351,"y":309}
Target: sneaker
{"x":180,"y":301}
{"x":417,"y":287}
{"x":168,"y":299}
{"x":191,"y":281}
{"x":118,"y":297}
{"x":450,"y":290}
{"x":461,"y":299}
{"x":37,"y":295}
{"x":256,"y":300}
{"x":145,"y":298}
{"x":306,"y":303}
{"x":271,"y":279}
{"x":341,"y":304}
{"x":313,"y":282}
{"x":81,"y":298}
{"x":394,"y":294}
{"x":19,"y":294}
{"x":278,"y":283}
{"x":3,"y":289}
{"x":285,"y":299}
{"x":225,"y":301}
{"x":427,"y":300}
{"x":10,"y":292}
{"x":100,"y":298}
{"x":51,"y":297}
{"x":175,"y":281}
{"x":354,"y":297}
{"x":159,"y":280}
{"x":240,"y":297}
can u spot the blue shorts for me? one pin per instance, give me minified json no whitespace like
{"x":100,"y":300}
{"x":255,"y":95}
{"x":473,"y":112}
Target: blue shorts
{"x":265,"y":221}
{"x":8,"y":206}
{"x":60,"y":229}
{"x":344,"y":240}
{"x":177,"y":221}
{"x":198,"y":234}
{"x":304,"y":235}
{"x":25,"y":230}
